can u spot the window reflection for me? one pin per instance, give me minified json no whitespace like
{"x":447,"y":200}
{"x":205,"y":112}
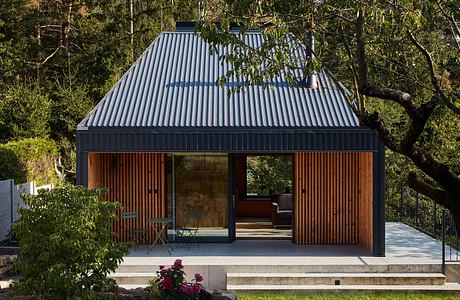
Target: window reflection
{"x":200,"y":193}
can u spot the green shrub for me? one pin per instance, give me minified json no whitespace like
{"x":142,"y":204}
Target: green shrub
{"x":29,"y":160}
{"x":24,"y":113}
{"x":10,"y":166}
{"x":67,"y":247}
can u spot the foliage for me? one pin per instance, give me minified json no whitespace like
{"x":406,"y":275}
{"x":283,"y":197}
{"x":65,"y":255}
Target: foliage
{"x":267,"y":175}
{"x":67,"y":246}
{"x":400,"y":61}
{"x":72,"y":52}
{"x":70,"y":105}
{"x":29,"y":160}
{"x":170,"y":284}
{"x":24,"y":113}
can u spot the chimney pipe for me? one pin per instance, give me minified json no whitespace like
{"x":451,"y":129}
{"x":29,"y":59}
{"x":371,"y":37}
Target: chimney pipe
{"x":312,"y":80}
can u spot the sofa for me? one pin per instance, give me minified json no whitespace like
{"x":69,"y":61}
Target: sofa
{"x":282,"y":210}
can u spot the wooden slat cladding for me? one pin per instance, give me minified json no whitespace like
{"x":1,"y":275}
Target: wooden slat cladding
{"x":333,"y":198}
{"x":136,"y":181}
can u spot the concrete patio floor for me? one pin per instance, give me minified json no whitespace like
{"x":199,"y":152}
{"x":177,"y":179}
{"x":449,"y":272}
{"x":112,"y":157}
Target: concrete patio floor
{"x":404,"y":245}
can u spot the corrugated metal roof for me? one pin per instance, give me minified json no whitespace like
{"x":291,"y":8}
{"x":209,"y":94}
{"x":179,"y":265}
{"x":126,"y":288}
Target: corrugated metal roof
{"x":172,"y":85}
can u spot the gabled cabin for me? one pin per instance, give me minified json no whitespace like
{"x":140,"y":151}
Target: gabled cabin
{"x":167,"y":142}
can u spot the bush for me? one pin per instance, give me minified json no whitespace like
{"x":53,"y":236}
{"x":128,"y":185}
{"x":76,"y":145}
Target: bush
{"x":24,"y":113}
{"x":29,"y":160}
{"x":67,"y":247}
{"x":171,"y":284}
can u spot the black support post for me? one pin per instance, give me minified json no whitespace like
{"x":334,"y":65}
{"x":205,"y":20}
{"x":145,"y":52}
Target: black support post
{"x":379,"y":201}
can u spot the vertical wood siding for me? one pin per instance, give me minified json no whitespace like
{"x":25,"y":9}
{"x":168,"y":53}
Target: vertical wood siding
{"x":136,"y":181}
{"x":333,"y":198}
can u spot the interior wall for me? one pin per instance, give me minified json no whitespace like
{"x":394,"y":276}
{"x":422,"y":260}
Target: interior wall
{"x":136,"y":181}
{"x":333,"y":198}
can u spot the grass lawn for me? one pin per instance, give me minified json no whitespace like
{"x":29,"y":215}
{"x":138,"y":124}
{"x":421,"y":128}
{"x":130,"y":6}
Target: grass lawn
{"x":374,"y":296}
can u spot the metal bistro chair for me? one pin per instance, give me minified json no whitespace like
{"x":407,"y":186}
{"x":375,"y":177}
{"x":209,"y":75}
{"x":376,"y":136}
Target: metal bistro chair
{"x":136,"y":232}
{"x":190,"y":233}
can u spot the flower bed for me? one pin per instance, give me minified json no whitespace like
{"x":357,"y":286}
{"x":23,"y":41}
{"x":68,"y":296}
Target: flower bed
{"x":172,"y":284}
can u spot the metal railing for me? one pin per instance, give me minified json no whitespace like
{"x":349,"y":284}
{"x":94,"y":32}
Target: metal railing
{"x":427,"y":216}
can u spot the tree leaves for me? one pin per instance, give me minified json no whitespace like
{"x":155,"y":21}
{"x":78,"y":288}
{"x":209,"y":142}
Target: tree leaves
{"x":67,"y":247}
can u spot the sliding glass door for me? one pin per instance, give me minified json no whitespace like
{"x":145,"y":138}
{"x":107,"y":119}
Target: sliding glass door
{"x":198,"y":197}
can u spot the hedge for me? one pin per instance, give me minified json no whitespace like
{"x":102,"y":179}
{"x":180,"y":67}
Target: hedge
{"x":29,"y":159}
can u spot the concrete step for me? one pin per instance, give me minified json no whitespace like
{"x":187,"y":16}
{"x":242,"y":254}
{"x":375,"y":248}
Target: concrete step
{"x":134,"y":279}
{"x":247,"y":279}
{"x":383,"y":268}
{"x":312,"y":268}
{"x":445,"y":288}
{"x":133,"y":286}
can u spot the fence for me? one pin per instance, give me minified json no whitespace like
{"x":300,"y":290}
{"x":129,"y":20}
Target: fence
{"x":10,"y":202}
{"x":425,"y":215}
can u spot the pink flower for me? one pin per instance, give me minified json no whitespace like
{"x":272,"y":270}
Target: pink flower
{"x":183,"y":289}
{"x":165,"y":272}
{"x":196,"y":289}
{"x":162,"y":267}
{"x":190,"y":290}
{"x":198,"y":277}
{"x":167,"y":283}
{"x":178,"y":264}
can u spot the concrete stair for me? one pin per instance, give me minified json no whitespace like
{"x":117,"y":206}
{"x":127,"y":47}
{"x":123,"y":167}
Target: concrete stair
{"x":381,"y":268}
{"x":330,"y":278}
{"x":307,"y":289}
{"x":299,"y":279}
{"x":306,"y":278}
{"x":135,"y":279}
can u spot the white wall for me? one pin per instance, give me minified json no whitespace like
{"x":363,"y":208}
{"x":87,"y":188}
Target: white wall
{"x":10,"y":201}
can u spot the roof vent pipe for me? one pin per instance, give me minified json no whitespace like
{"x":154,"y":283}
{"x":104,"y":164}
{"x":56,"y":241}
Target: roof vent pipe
{"x":312,"y":80}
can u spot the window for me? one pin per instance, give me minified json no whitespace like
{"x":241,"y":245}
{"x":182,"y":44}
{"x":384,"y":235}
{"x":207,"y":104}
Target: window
{"x":268,"y":175}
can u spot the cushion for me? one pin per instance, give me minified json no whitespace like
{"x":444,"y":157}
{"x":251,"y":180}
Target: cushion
{"x":285,"y":201}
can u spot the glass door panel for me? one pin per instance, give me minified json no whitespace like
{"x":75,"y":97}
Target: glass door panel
{"x":200,"y":194}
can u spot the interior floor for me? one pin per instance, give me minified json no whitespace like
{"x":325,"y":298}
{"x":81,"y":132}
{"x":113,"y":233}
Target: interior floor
{"x":261,"y":228}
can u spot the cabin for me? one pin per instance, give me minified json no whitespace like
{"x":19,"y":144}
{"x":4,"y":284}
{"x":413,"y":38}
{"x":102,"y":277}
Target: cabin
{"x":168,"y":142}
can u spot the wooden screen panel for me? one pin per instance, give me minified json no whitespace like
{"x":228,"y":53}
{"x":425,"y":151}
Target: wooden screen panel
{"x":333,"y":198}
{"x":365,"y":233}
{"x":136,"y":181}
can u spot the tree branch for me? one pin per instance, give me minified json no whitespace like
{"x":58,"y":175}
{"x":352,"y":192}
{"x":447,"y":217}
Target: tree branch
{"x":402,"y":98}
{"x":50,"y":56}
{"x":433,"y":76}
{"x":453,"y":24}
{"x":417,"y":126}
{"x":418,"y":115}
{"x":421,"y":186}
{"x":377,"y":124}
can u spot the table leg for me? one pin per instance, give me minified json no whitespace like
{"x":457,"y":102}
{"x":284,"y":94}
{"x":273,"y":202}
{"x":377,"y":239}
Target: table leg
{"x":159,"y":237}
{"x":155,"y":231}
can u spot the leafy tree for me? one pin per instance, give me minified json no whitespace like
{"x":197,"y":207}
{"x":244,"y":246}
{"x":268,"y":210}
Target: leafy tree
{"x":67,"y":248}
{"x":400,"y":60}
{"x":267,"y":175}
{"x":24,"y":113}
{"x":74,"y":51}
{"x":30,"y":159}
{"x":70,"y":105}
